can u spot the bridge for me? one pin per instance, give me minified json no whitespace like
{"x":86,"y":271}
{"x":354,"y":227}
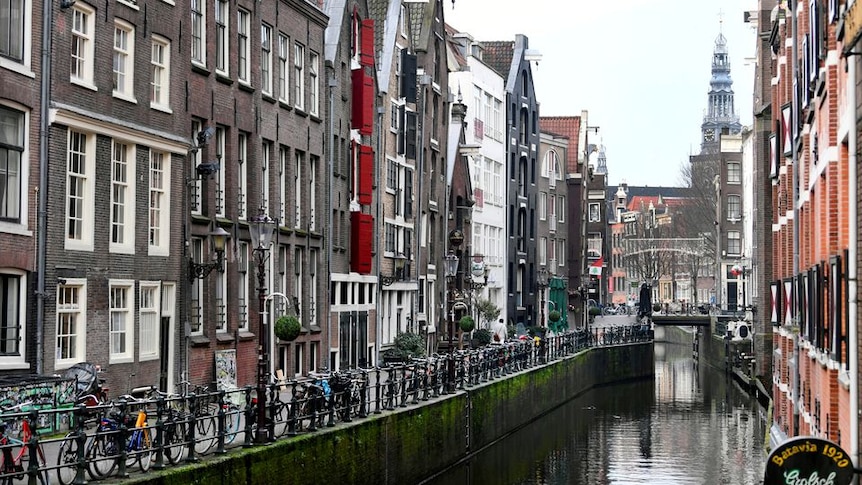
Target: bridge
{"x":682,"y":320}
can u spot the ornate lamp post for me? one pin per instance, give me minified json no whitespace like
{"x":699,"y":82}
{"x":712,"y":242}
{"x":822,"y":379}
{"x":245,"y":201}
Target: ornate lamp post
{"x":451,"y":272}
{"x":201,"y":270}
{"x":262,"y":230}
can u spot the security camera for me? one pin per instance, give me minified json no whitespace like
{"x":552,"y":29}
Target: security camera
{"x":208,"y":168}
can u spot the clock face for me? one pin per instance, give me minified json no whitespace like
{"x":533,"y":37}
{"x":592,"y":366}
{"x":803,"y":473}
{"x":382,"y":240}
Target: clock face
{"x":709,"y":135}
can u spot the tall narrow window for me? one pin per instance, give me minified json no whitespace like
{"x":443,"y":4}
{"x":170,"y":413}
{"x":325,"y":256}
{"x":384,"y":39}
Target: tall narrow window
{"x":220,"y":174}
{"x":199,"y":29}
{"x":121,"y":331}
{"x":299,"y":75}
{"x":81,"y":65}
{"x":124,"y":60}
{"x":266,"y":59}
{"x":283,"y":88}
{"x":312,"y":193}
{"x":122,"y":197}
{"x":160,"y":86}
{"x":242,"y":176}
{"x":734,"y":208}
{"x":242,"y":48}
{"x":79,"y":191}
{"x":15,"y":30}
{"x":11,"y":314}
{"x":196,"y":309}
{"x":149,"y":315}
{"x":11,"y":154}
{"x":297,"y":187}
{"x":71,"y":323}
{"x":195,"y":185}
{"x":222,"y":10}
{"x":283,"y":164}
{"x":221,"y":301}
{"x":242,"y":288}
{"x":266,"y":152}
{"x":313,"y":88}
{"x":159,"y":206}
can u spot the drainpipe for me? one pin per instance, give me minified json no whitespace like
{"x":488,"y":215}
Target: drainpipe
{"x":331,"y":84}
{"x":42,"y":210}
{"x":378,"y":167}
{"x":853,"y":301}
{"x":794,"y":395}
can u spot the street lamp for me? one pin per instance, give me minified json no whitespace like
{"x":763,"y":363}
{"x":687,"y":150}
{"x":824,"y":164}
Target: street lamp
{"x":451,"y":268}
{"x":262,"y":230}
{"x":219,"y":238}
{"x":398,"y":275}
{"x":542,"y":282}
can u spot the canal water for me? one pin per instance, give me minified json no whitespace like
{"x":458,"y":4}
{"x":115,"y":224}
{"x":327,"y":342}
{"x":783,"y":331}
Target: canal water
{"x":689,"y":425}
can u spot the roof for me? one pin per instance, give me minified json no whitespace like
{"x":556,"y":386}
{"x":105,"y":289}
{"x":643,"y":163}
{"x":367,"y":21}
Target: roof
{"x":497,"y":54}
{"x":568,"y":127}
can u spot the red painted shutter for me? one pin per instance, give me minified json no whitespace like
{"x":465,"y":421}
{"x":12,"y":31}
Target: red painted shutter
{"x":361,"y":243}
{"x":366,"y":174}
{"x":366,"y":38}
{"x":362,"y":117}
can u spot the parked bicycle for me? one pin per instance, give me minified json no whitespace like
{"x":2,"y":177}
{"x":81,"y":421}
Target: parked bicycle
{"x":15,"y":453}
{"x":109,"y":445}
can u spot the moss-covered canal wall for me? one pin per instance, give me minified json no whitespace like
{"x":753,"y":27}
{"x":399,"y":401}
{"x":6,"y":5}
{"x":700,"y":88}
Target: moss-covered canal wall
{"x":408,"y":445}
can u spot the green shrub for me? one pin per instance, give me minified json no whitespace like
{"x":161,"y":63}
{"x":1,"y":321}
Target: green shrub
{"x":467,"y":324}
{"x":407,"y":345}
{"x":594,"y":311}
{"x":287,"y":327}
{"x":482,"y":336}
{"x":554,"y":316}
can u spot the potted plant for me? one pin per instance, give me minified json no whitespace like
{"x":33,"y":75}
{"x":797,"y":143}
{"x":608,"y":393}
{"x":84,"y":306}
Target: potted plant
{"x":406,"y":346}
{"x":467,"y":324}
{"x":482,"y":337}
{"x":287,"y":327}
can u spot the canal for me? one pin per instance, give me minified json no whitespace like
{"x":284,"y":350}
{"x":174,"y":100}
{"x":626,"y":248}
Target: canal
{"x":689,"y":425}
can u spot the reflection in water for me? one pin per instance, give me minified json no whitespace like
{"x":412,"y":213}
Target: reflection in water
{"x":690,"y":425}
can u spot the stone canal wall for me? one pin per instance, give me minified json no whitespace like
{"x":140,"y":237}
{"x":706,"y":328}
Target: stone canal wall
{"x":409,"y":445}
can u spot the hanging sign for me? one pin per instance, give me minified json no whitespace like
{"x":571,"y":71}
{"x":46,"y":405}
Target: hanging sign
{"x":808,"y":460}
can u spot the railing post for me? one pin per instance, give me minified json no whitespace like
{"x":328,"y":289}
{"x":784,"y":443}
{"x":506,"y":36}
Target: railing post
{"x":80,"y":443}
{"x":160,"y":434}
{"x":377,"y":391}
{"x":294,"y":405}
{"x":363,"y":396}
{"x":403,"y":403}
{"x":193,"y":423}
{"x":249,"y":417}
{"x":273,"y":402}
{"x":221,"y":423}
{"x":120,"y":439}
{"x":33,"y":448}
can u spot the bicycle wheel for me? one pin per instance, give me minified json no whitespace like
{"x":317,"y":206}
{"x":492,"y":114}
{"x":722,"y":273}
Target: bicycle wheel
{"x":231,"y":423}
{"x":42,"y":477}
{"x":280,"y":419}
{"x":174,"y":441}
{"x":102,"y":455}
{"x":146,"y":450}
{"x":67,"y":460}
{"x":205,"y":433}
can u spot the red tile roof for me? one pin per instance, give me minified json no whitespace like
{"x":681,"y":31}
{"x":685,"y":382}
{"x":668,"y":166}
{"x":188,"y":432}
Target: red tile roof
{"x":566,"y":126}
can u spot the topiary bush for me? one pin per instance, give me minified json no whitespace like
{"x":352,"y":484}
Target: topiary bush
{"x":554,"y":316}
{"x":406,"y":346}
{"x":467,"y":324}
{"x":482,"y":336}
{"x":594,"y":311}
{"x":287,"y":327}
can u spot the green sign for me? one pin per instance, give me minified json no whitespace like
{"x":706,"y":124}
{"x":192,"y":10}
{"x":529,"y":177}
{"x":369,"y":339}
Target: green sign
{"x":807,"y":460}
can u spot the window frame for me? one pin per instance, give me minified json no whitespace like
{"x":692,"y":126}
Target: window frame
{"x":222,"y":44}
{"x":734,"y":175}
{"x":266,"y":58}
{"x":243,"y":48}
{"x":19,"y":146}
{"x":84,"y":57}
{"x":734,"y":238}
{"x":86,"y":191}
{"x":198,"y":27}
{"x":124,"y":88}
{"x":15,"y":359}
{"x":20,"y":63}
{"x":126,"y":244}
{"x":160,"y":91}
{"x":734,"y":208}
{"x":283,"y":71}
{"x":159,"y":245}
{"x":314,"y":84}
{"x":242,"y":175}
{"x":299,"y":75}
{"x":127,"y":333}
{"x":145,"y":352}
{"x":79,"y":335}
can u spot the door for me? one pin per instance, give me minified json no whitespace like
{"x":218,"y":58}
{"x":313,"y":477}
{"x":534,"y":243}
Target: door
{"x":732,"y":296}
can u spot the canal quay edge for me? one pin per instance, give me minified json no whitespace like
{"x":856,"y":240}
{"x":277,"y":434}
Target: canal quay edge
{"x":412,"y":444}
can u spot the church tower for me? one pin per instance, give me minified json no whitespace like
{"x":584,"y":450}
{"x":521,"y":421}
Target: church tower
{"x":721,"y":114}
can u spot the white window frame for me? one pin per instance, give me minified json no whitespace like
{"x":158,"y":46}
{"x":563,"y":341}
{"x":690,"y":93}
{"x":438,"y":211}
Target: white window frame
{"x":266,"y":153}
{"x":543,"y":250}
{"x":243,"y":48}
{"x":312,"y":191}
{"x":14,"y":61}
{"x":125,"y":313}
{"x":220,"y":183}
{"x":158,"y":234}
{"x":734,"y":176}
{"x":17,"y":360}
{"x":221,"y":301}
{"x":735,"y":236}
{"x":283,"y":162}
{"x":561,"y":209}
{"x":160,"y":81}
{"x":85,"y":153}
{"x":313,"y":84}
{"x":283,"y":71}
{"x":561,"y":253}
{"x":242,"y":175}
{"x":198,"y":26}
{"x":149,"y":316}
{"x":734,"y":211}
{"x":196,"y":292}
{"x":195,"y":186}
{"x":82,"y":59}
{"x":595,"y":212}
{"x":78,"y":334}
{"x":222,"y":21}
{"x":243,"y":287}
{"x":266,"y":59}
{"x":299,"y":75}
{"x":122,"y":213}
{"x":17,"y":224}
{"x":543,"y":206}
{"x":124,"y":61}
{"x":297,"y":187}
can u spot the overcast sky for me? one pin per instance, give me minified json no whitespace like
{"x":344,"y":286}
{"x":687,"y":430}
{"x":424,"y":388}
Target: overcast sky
{"x":640,"y":67}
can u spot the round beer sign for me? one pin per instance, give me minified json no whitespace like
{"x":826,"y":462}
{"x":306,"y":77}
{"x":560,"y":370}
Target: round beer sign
{"x":808,"y":460}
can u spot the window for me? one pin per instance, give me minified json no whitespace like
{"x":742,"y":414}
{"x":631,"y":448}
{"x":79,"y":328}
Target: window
{"x":12,"y":315}
{"x":79,"y":191}
{"x":122,"y":197}
{"x":734,"y":243}
{"x":81,"y":65}
{"x":284,"y":163}
{"x":266,"y":59}
{"x":199,"y":29}
{"x":160,"y":86}
{"x":12,"y":129}
{"x":195,"y":184}
{"x":159,"y":203}
{"x":149,"y":314}
{"x":543,"y":250}
{"x":595,"y":212}
{"x":734,"y":173}
{"x":124,"y":60}
{"x":561,"y":253}
{"x":242,"y":176}
{"x":734,"y":208}
{"x":264,"y":166}
{"x":313,"y":85}
{"x":297,"y":187}
{"x":220,"y":174}
{"x":283,"y":87}
{"x":196,"y":309}
{"x":299,"y":75}
{"x":15,"y":25}
{"x":243,"y":53}
{"x":121,"y":329}
{"x":561,"y":209}
{"x":242,"y":288}
{"x":222,"y":9}
{"x":392,"y":175}
{"x":543,"y":206}
{"x":498,"y":108}
{"x":312,"y":191}
{"x":221,"y":301}
{"x":71,"y":323}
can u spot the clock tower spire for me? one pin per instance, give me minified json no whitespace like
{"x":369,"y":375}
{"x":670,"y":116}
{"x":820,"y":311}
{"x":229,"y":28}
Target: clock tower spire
{"x":720,"y":114}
